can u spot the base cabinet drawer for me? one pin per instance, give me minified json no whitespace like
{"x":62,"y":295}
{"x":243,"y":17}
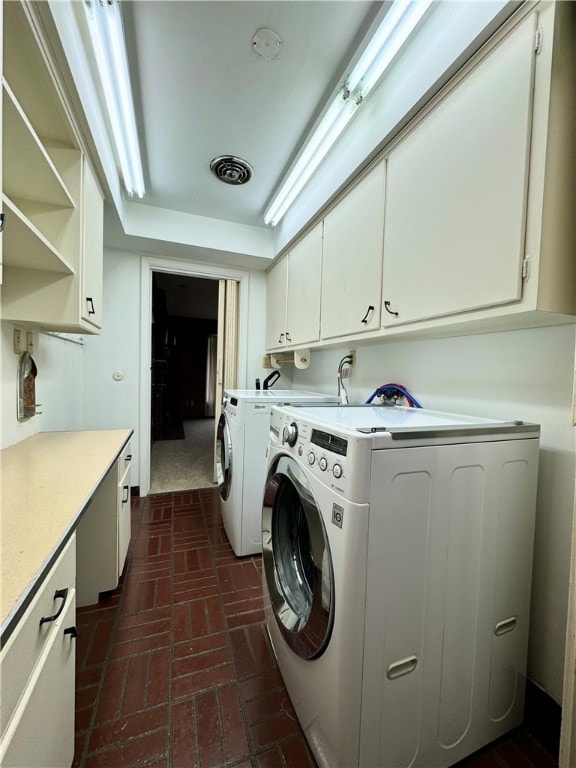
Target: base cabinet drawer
{"x":37,"y":666}
{"x":41,"y":731}
{"x":21,"y":653}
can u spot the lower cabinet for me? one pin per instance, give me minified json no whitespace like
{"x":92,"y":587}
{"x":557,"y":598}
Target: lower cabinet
{"x":103,"y":533}
{"x":37,"y":666}
{"x":123,"y":506}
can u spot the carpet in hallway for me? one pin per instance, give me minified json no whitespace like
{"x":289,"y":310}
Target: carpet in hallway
{"x":183,"y":465}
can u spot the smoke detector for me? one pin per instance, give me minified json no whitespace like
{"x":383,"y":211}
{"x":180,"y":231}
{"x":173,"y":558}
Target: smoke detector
{"x":267,"y":43}
{"x":231,"y":170}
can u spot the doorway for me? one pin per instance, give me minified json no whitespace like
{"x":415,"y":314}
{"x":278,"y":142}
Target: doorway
{"x":180,"y":406}
{"x":184,"y":326}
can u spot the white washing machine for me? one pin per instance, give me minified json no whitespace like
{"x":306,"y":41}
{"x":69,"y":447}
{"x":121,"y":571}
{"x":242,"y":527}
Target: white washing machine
{"x":397,"y":549}
{"x":242,"y":437}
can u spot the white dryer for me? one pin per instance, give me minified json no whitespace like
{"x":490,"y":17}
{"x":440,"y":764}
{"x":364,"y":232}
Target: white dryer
{"x":397,"y":550}
{"x":242,"y":437}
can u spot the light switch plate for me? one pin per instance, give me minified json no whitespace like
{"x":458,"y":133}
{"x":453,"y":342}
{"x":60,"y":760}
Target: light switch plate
{"x":17,"y":341}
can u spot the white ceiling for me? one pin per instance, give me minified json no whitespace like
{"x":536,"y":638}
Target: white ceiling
{"x":201,"y":90}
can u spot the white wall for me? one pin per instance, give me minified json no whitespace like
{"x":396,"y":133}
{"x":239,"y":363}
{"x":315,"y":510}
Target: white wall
{"x":524,"y":374}
{"x":58,"y":386}
{"x":114,"y":404}
{"x":110,"y":404}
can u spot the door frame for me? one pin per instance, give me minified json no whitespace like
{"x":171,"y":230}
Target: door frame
{"x":149,"y":265}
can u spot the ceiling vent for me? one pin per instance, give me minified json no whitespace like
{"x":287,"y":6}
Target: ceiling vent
{"x":231,"y":170}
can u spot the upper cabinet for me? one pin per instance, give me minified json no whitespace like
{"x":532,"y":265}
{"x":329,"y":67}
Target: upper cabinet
{"x":276,"y":285}
{"x":481,"y":189}
{"x":352,"y":259}
{"x":457,"y":189}
{"x":92,"y":249}
{"x":304,"y":271}
{"x":293,"y":288}
{"x":53,"y":210}
{"x":466,"y":224}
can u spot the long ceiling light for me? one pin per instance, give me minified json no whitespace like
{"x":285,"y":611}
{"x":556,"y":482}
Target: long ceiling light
{"x":107,"y":36}
{"x":384,"y":44}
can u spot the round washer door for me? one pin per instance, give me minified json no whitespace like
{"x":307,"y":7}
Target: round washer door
{"x":297,"y":562}
{"x":223,"y":457}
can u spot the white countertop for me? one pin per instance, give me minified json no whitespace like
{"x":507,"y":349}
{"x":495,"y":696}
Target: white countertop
{"x":46,"y":482}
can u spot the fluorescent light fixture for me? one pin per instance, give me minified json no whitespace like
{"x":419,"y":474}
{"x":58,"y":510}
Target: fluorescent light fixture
{"x":384,"y":44}
{"x":107,"y":35}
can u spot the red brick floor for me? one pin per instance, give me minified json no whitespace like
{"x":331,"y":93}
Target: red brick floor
{"x":175,"y":669}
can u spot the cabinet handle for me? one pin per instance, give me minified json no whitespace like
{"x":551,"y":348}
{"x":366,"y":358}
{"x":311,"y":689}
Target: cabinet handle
{"x":280,"y":338}
{"x":2,"y":222}
{"x":288,"y":337}
{"x":365,"y":318}
{"x":128,"y":457}
{"x":126,"y":489}
{"x":72,"y":631}
{"x":90,"y":302}
{"x":505,"y":626}
{"x":387,"y":308}
{"x":60,"y":594}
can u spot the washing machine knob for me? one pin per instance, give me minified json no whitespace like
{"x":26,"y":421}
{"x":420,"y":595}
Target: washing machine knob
{"x":311,"y":458}
{"x":337,"y":470}
{"x":323,"y":464}
{"x":290,"y":434}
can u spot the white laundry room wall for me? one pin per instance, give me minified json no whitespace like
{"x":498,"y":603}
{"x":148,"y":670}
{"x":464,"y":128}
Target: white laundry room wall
{"x":111,"y":404}
{"x":522,"y":374}
{"x":58,"y":386}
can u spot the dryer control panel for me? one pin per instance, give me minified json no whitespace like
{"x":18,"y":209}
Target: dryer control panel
{"x":340,"y":462}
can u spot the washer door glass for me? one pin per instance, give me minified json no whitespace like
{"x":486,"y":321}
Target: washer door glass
{"x":223,"y":457}
{"x":297,"y":561}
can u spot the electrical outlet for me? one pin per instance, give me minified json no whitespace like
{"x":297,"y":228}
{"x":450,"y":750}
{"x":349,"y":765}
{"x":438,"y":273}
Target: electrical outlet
{"x":352,"y":354}
{"x":17,"y":341}
{"x":266,"y":362}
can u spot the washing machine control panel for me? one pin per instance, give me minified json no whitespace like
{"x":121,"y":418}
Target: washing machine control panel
{"x":290,"y":434}
{"x":324,"y":453}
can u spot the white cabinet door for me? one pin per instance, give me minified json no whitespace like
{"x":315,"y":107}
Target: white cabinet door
{"x":352,"y":259}
{"x":457,"y":190}
{"x":123,"y":507}
{"x":97,"y":543}
{"x":37,"y":673}
{"x":41,"y":732}
{"x":303,"y":299}
{"x":276,"y":287}
{"x":93,"y":248}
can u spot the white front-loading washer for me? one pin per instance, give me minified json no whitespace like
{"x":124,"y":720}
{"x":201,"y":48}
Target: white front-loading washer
{"x":241,"y":440}
{"x":397,"y":549}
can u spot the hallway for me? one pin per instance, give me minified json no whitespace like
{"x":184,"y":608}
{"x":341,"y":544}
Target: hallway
{"x":184,"y":464}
